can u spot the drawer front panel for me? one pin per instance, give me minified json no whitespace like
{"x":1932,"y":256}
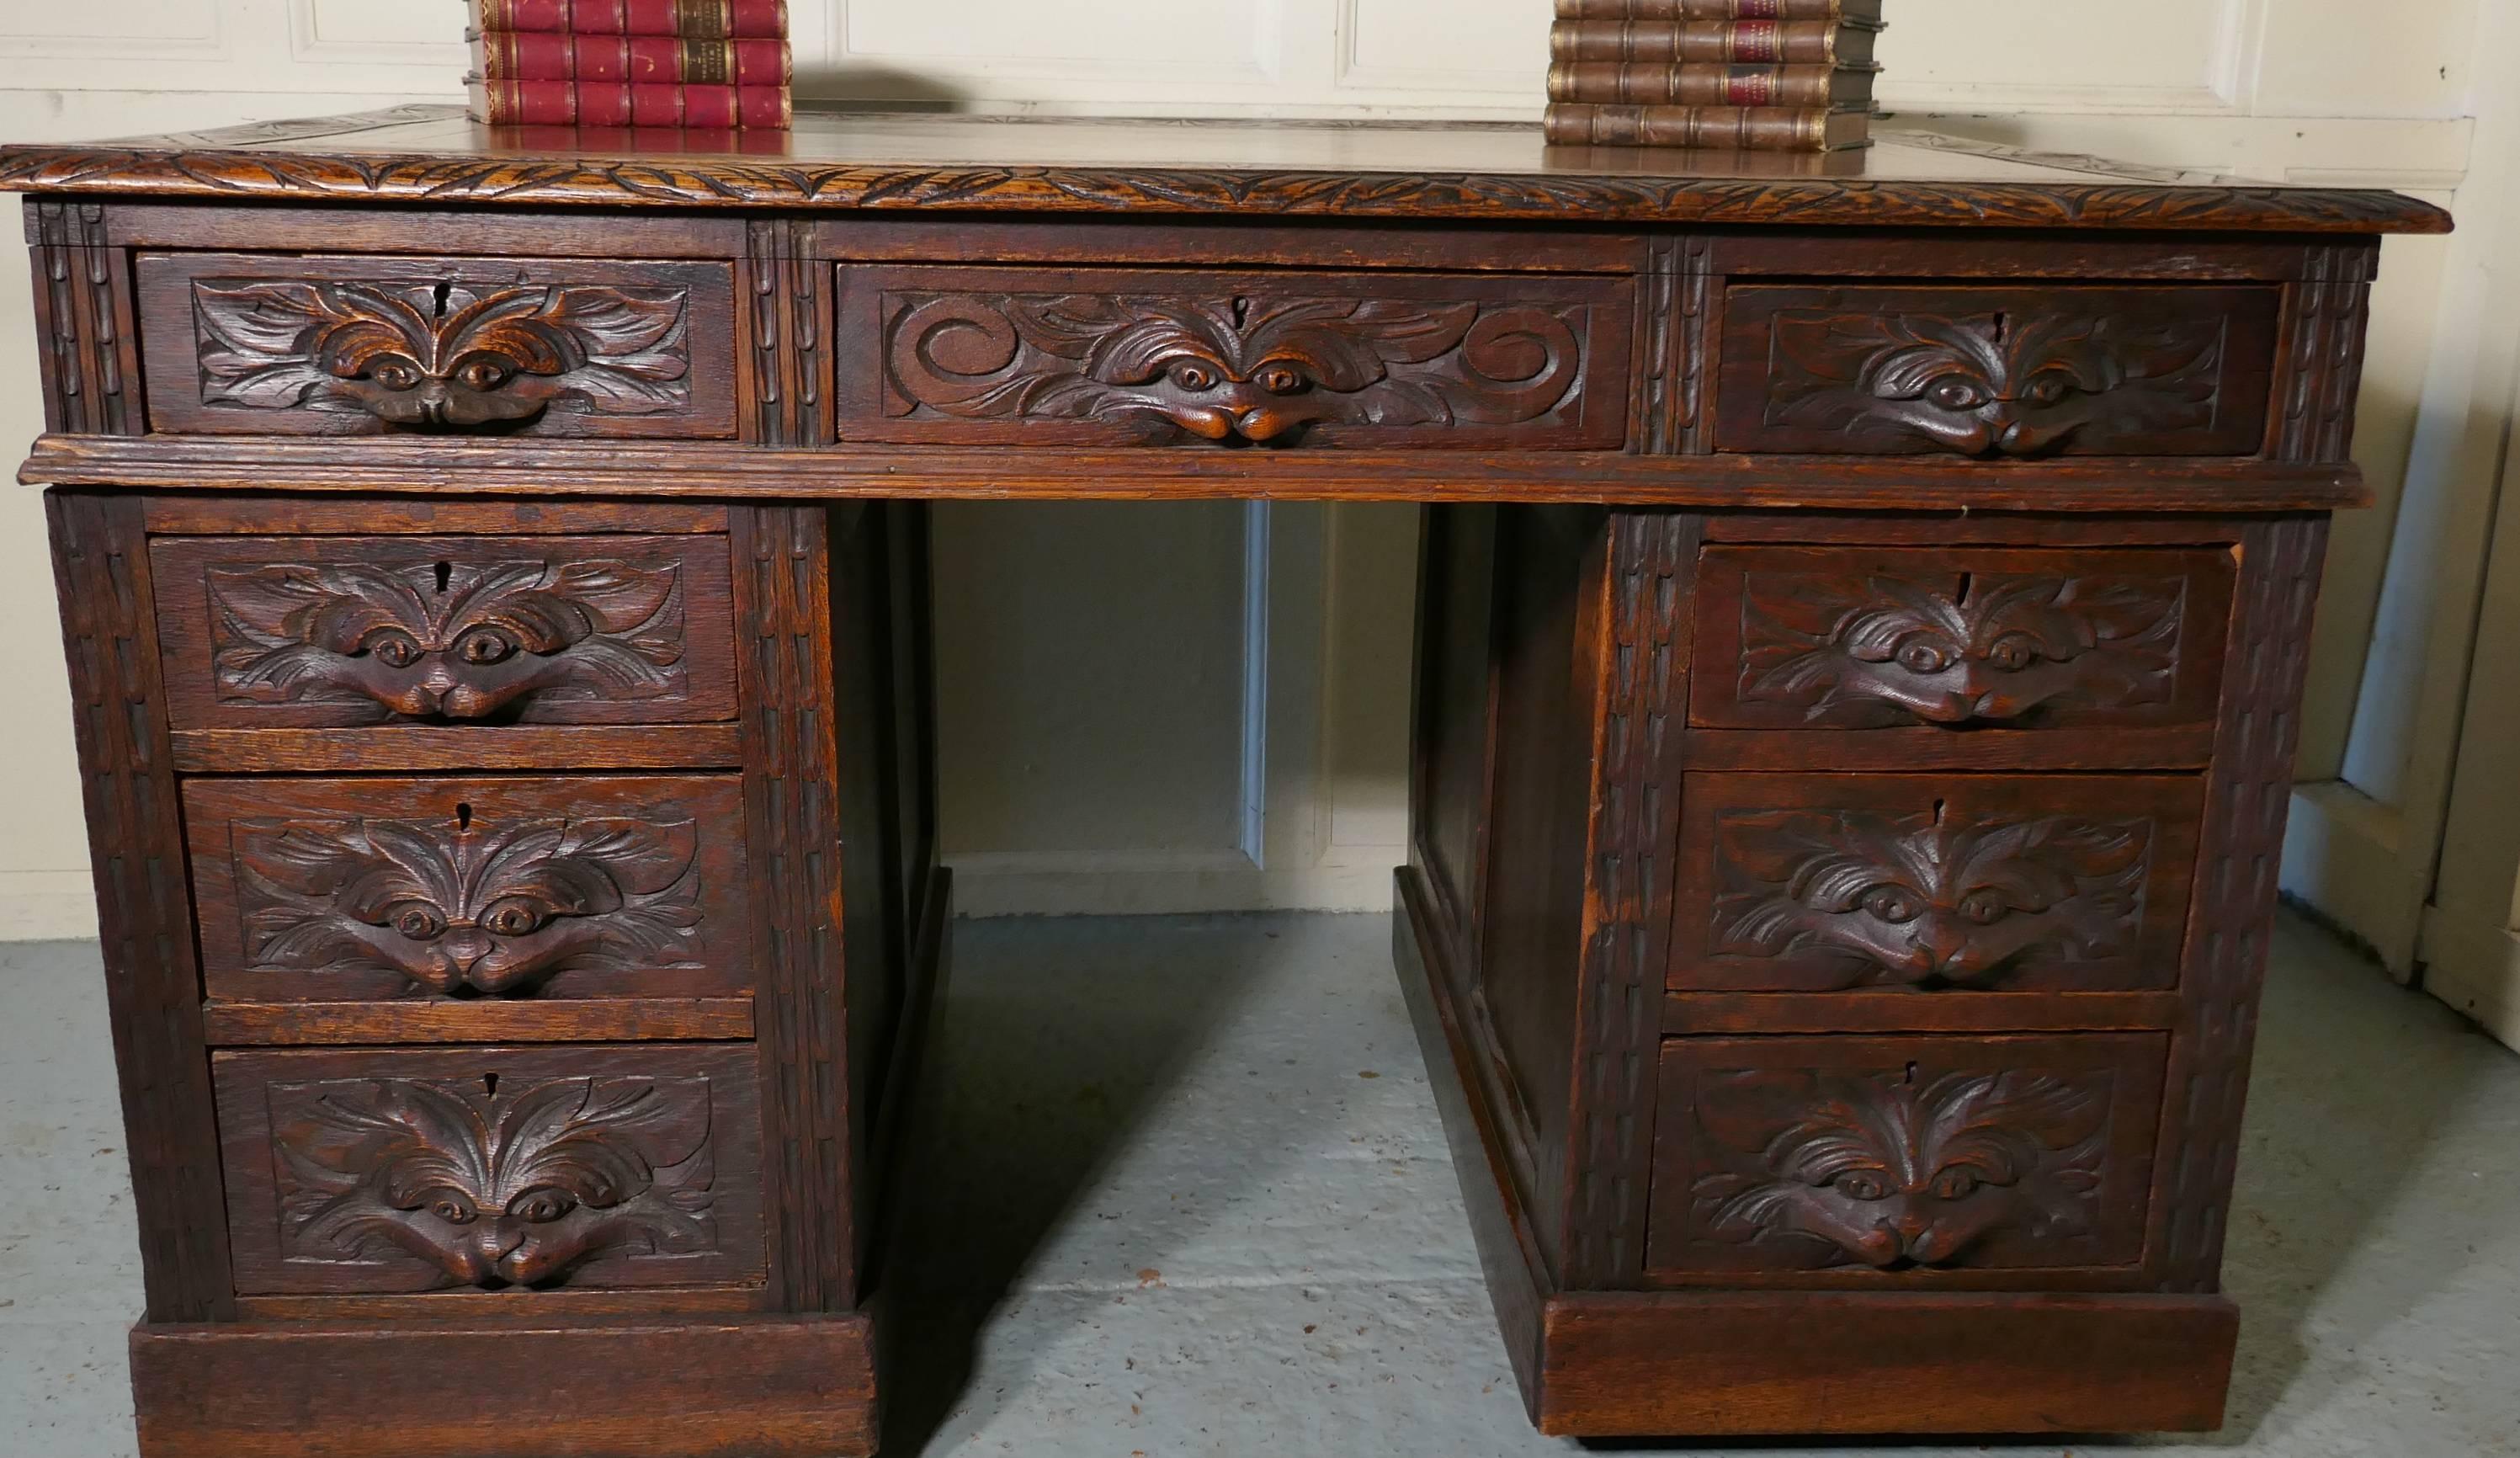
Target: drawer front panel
{"x":1845,"y":1155}
{"x":1997,"y":371}
{"x":352,"y":890}
{"x":1107,"y":357}
{"x":327,"y":632}
{"x":2032,"y":882}
{"x":1859,"y":638}
{"x":385,"y":1171}
{"x":502,"y":346}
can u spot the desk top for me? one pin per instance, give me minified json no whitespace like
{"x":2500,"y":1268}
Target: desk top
{"x":1455,"y":170}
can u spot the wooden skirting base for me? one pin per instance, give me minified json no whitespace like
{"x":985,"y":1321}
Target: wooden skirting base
{"x":729,"y":1387}
{"x":1635,"y":1364}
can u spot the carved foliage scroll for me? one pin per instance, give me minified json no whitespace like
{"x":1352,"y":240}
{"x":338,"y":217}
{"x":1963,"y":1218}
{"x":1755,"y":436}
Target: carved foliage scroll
{"x":450,"y":630}
{"x":1845,"y":639}
{"x":1173,"y":358}
{"x":1907,"y":1155}
{"x":462,"y":644}
{"x":2000,"y":371}
{"x":441,"y":356}
{"x":552,"y":346}
{"x":492,"y":1170}
{"x":461,"y":909}
{"x":367,"y":888}
{"x":1847,"y":881}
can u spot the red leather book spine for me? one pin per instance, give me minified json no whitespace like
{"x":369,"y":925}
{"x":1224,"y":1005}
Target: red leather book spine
{"x":769,"y":108}
{"x":1706,"y":84}
{"x":602,"y":104}
{"x":546,"y":56}
{"x":656,"y":60}
{"x":694,"y":19}
{"x":709,"y":107}
{"x":511,"y":103}
{"x":603,"y":60}
{"x":763,"y":63}
{"x":1719,"y":10}
{"x":1745,"y":42}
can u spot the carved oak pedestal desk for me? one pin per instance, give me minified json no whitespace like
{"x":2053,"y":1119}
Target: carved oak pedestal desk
{"x":1863,"y":608}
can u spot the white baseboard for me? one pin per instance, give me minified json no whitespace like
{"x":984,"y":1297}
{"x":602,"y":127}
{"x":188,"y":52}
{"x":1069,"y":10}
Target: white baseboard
{"x":2474,"y":966}
{"x":47,"y":906}
{"x":1135,"y":884}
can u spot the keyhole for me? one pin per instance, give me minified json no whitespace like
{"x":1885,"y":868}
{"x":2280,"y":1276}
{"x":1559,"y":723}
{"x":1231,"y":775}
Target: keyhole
{"x":1911,"y":1073}
{"x":1241,"y":312}
{"x":445,"y":572}
{"x":1968,"y":583}
{"x":464,"y":815}
{"x":2003,"y":322}
{"x":1938,"y":811}
{"x":444,"y":289}
{"x":490,"y":1083}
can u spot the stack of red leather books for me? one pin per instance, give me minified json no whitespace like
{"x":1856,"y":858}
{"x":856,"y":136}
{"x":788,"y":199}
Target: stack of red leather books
{"x":714,"y":65}
{"x":1769,"y":76}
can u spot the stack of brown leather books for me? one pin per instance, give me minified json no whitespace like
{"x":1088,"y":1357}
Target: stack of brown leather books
{"x":1769,"y":75}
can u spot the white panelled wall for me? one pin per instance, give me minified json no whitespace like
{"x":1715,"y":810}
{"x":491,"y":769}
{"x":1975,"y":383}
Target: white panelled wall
{"x":1210,"y":715}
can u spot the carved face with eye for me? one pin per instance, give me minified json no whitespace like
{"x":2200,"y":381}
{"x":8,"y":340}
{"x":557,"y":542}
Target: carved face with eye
{"x":479,"y":908}
{"x":1891,"y":1172}
{"x":501,"y":1190}
{"x":1994,"y":649}
{"x":443,"y":356}
{"x":1850,"y":898}
{"x":2001,"y":384}
{"x":454,"y":639}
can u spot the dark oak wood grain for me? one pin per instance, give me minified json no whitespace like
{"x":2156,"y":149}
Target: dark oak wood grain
{"x":458,"y":1019}
{"x":815,"y":1175}
{"x":2248,"y":796}
{"x":153,"y":981}
{"x":1643,"y":678}
{"x":701,"y":1387}
{"x":1743,"y":1364}
{"x":83,"y":316}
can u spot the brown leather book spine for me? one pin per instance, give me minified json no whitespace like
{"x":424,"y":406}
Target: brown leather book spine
{"x":1719,"y":10}
{"x":1732,"y":128}
{"x":1748,"y":42}
{"x":1708,"y":84}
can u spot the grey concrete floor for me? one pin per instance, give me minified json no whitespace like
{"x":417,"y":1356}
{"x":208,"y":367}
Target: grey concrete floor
{"x":1185,"y":1195}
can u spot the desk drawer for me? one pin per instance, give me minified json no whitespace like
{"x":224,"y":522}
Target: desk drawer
{"x":1916,"y":1158}
{"x":364,"y":346}
{"x":325,"y":631}
{"x":1865,"y":638}
{"x":361,"y":889}
{"x":2010,"y":883}
{"x":1180,"y":357}
{"x":388,"y":1170}
{"x":1997,"y":371}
